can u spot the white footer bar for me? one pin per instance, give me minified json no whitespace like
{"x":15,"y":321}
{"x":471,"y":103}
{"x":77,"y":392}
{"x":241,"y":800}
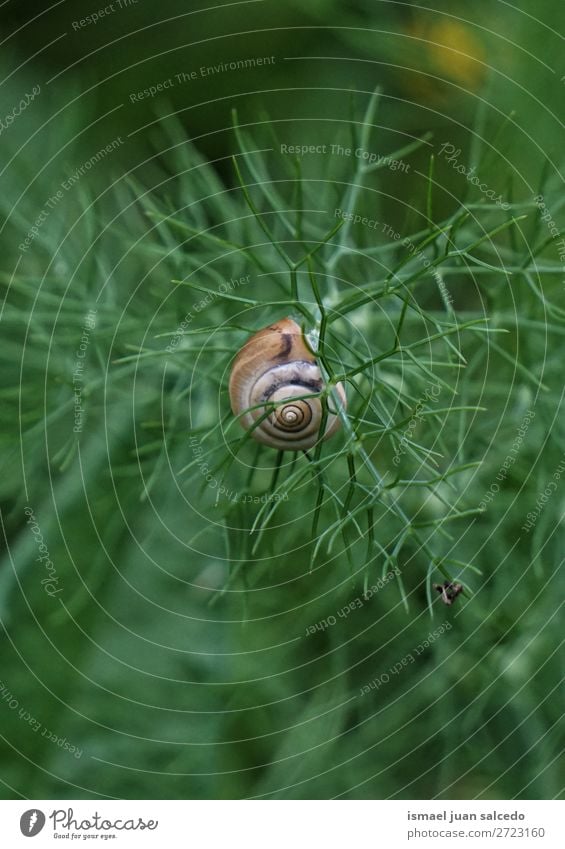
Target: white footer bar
{"x":284,"y":824}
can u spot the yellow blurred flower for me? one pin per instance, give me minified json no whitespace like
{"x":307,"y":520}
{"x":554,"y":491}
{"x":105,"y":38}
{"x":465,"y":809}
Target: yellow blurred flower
{"x":448,"y":49}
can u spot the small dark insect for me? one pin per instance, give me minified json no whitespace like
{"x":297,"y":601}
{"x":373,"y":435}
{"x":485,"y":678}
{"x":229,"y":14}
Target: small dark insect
{"x":449,"y":591}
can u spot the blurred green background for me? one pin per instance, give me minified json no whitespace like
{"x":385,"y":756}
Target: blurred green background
{"x":142,"y":679}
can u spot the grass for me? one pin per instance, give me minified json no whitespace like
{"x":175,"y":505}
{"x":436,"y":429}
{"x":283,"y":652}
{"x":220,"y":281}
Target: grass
{"x":177,"y":656}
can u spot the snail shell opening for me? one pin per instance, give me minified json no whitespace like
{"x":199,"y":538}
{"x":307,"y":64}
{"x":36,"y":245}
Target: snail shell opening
{"x":274,"y":384}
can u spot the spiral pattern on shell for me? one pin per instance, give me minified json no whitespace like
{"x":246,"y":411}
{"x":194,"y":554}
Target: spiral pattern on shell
{"x":276,"y":367}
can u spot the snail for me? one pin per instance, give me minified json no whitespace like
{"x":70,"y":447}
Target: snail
{"x":275,"y":365}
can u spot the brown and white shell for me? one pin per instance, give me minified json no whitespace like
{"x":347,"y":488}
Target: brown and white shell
{"x":276,"y":366}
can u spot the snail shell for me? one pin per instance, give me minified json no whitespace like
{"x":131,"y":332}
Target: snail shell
{"x":276,"y":366}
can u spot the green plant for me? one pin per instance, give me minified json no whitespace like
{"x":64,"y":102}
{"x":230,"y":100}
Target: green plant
{"x":382,"y":325}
